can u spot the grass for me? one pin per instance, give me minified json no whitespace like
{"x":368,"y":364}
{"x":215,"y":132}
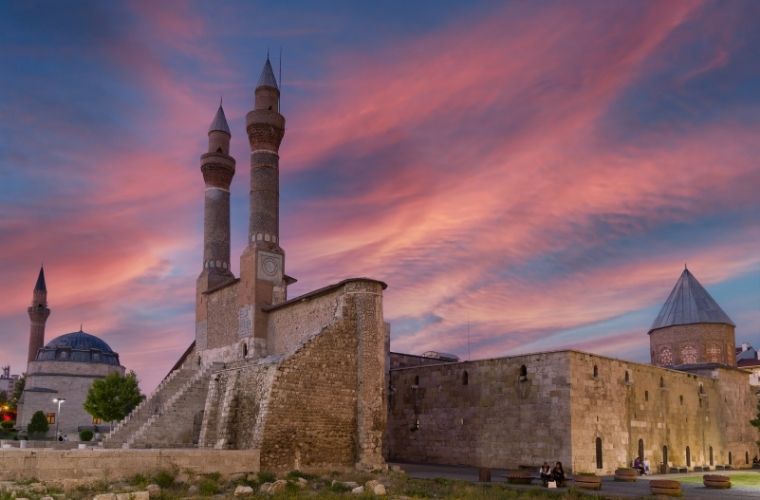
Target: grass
{"x":750,"y":479}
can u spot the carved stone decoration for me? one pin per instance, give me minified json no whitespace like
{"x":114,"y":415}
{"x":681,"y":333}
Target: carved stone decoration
{"x":245,"y":321}
{"x":270,"y":267}
{"x":712,"y":353}
{"x":689,"y":355}
{"x":666,"y":356}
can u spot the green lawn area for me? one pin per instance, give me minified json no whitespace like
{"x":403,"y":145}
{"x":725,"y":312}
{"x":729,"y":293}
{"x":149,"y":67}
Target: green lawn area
{"x":738,"y":479}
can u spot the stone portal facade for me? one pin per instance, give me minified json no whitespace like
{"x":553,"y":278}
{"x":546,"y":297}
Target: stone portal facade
{"x":304,"y":381}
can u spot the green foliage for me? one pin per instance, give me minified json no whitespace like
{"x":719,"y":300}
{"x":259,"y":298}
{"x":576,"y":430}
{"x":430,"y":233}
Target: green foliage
{"x":208,"y":486}
{"x":86,"y":435}
{"x":755,"y":422}
{"x":266,"y":477}
{"x":18,"y":389}
{"x":138,"y":480}
{"x":164,"y":478}
{"x":3,"y":398}
{"x":38,"y":425}
{"x":8,"y":424}
{"x":114,"y":397}
{"x":295,"y":474}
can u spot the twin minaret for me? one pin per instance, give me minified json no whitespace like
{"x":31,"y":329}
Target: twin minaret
{"x":262,"y":279}
{"x":38,"y":315}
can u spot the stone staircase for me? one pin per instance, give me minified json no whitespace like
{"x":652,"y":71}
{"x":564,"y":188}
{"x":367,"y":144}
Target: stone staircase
{"x":166,"y":418}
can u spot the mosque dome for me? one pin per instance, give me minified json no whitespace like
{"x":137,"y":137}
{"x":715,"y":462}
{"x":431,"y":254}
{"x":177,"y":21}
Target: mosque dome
{"x":79,"y":347}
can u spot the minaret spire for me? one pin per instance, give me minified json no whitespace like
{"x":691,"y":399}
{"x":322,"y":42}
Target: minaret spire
{"x":38,"y":315}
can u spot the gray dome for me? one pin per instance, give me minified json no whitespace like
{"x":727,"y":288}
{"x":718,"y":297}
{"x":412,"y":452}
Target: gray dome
{"x":79,"y":347}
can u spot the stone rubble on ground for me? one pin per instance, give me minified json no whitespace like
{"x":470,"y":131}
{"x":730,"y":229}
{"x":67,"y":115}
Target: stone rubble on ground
{"x":242,"y":491}
{"x":154,"y":490}
{"x":375,"y":487}
{"x":192,"y":490}
{"x":302,"y":482}
{"x":359,"y":490}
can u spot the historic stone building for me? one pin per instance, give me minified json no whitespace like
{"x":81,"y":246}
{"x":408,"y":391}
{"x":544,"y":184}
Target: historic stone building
{"x":591,"y":412}
{"x":63,"y":369}
{"x":302,"y":380}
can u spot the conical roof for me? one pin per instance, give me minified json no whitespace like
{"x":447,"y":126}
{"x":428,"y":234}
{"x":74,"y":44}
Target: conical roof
{"x":267,"y":78}
{"x":689,"y":303}
{"x":40,"y":285}
{"x":219,"y":122}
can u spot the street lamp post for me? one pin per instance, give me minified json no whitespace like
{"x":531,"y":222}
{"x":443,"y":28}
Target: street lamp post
{"x":58,"y":415}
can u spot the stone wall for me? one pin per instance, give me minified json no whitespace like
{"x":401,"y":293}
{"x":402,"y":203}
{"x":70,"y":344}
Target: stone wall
{"x":568,"y":401}
{"x":69,"y":380}
{"x":217,"y":325}
{"x":93,"y":465}
{"x":483,"y":413}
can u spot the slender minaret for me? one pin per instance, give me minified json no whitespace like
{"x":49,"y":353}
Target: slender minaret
{"x":262,"y":262}
{"x":38,"y":314}
{"x":218,"y":168}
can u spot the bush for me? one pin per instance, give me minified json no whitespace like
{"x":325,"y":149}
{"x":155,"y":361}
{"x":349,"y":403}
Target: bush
{"x":86,"y":435}
{"x":39,"y":424}
{"x":266,"y":477}
{"x":164,"y":479}
{"x":8,"y":424}
{"x":208,"y":486}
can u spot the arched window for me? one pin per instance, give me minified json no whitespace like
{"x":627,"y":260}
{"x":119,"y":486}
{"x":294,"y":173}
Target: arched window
{"x":662,"y":382}
{"x":641,"y":449}
{"x":681,"y":399}
{"x":627,"y":377}
{"x":688,"y":457}
{"x":416,"y":380}
{"x":712,"y":462}
{"x":701,"y":389}
{"x":665,"y":456}
{"x":465,"y":378}
{"x":730,"y":459}
{"x":523,"y":373}
{"x":245,"y":349}
{"x":596,"y":371}
{"x":599,"y":462}
{"x":746,"y":457}
{"x":646,"y":395}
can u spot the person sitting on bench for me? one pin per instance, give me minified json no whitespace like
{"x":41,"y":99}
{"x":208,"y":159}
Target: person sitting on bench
{"x":638,"y":465}
{"x":545,"y":472}
{"x":558,"y":474}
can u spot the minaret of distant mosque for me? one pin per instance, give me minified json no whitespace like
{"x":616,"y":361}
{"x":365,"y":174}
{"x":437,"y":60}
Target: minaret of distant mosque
{"x":218,"y":168}
{"x":38,"y":315}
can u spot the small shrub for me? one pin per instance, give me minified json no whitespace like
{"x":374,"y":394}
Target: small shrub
{"x":86,"y":435}
{"x":267,"y":477}
{"x":164,"y":479}
{"x":339,"y":487}
{"x":8,"y":424}
{"x":208,"y":487}
{"x":38,"y":425}
{"x":138,"y":480}
{"x":295,"y":474}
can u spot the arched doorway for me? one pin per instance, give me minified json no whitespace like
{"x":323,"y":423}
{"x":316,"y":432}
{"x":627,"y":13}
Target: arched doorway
{"x":641,"y":449}
{"x":665,"y":457}
{"x":730,"y":459}
{"x":711,"y":456}
{"x":688,"y":457}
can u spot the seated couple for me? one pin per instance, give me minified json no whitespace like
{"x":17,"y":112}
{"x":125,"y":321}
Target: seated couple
{"x":555,"y":474}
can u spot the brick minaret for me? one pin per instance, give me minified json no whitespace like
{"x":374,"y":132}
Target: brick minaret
{"x":38,"y":314}
{"x":218,"y":168}
{"x":262,"y":263}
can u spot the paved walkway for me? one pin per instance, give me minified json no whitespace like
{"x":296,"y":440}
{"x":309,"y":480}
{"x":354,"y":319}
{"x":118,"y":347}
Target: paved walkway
{"x":636,"y":489}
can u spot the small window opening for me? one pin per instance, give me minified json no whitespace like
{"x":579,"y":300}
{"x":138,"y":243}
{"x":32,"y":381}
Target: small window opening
{"x":641,"y":449}
{"x":199,"y":361}
{"x":416,"y":380}
{"x":465,"y":378}
{"x":711,"y":456}
{"x":701,"y":389}
{"x":599,"y":462}
{"x":627,"y":377}
{"x":688,"y":457}
{"x":730,"y":459}
{"x":662,"y":382}
{"x":746,"y":457}
{"x":681,"y":399}
{"x":646,"y":395}
{"x":270,"y":108}
{"x":700,"y":403}
{"x":245,"y":349}
{"x":51,"y":418}
{"x":665,"y":455}
{"x":523,"y":373}
{"x":596,"y":371}
{"x":219,"y":150}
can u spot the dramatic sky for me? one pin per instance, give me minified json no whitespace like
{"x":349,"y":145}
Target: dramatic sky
{"x":525,"y":176}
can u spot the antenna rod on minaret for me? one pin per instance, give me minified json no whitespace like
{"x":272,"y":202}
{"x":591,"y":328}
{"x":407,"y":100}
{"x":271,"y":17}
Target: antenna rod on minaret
{"x":279,"y":104}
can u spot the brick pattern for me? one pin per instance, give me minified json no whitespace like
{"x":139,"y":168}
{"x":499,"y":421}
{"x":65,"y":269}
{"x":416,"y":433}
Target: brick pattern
{"x":692,"y":344}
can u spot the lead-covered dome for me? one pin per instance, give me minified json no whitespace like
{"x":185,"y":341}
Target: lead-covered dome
{"x":80,"y":347}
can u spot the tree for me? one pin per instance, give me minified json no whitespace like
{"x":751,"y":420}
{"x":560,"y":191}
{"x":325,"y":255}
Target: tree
{"x":114,"y":397}
{"x":18,"y":390}
{"x":3,"y":398}
{"x":39,"y":424}
{"x":756,"y":421}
